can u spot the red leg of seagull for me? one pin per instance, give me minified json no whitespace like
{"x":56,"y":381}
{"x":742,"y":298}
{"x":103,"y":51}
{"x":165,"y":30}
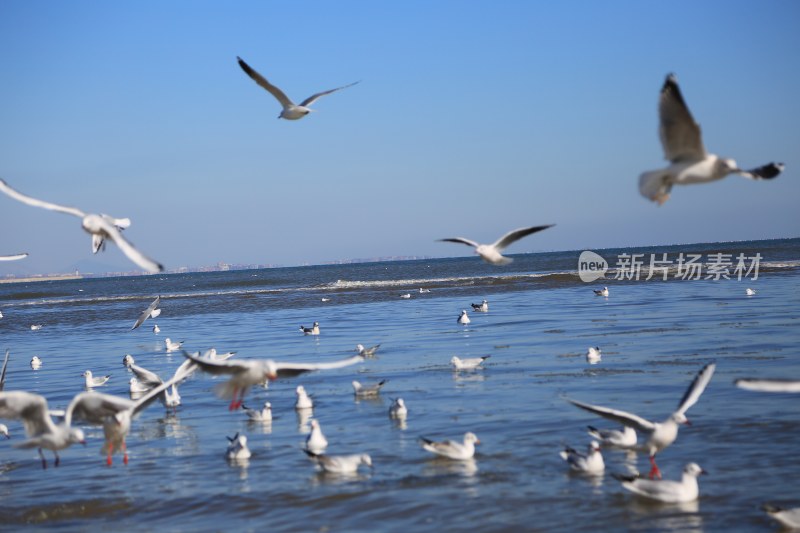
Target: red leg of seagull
{"x":125,"y":453}
{"x":109,"y":461}
{"x":654,"y":471}
{"x":232,"y":406}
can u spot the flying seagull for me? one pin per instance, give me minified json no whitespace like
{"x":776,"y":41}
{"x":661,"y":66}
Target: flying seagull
{"x":101,"y":227}
{"x":14,"y":257}
{"x":683,"y":148}
{"x":491,"y":253}
{"x":291,"y":111}
{"x":147,"y":313}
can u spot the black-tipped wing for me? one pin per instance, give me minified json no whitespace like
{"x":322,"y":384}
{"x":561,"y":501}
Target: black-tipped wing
{"x":5,"y":188}
{"x":626,"y":419}
{"x":262,"y":81}
{"x":517,"y":234}
{"x":313,"y":98}
{"x":696,"y":388}
{"x":286,"y":370}
{"x":146,"y":313}
{"x":765,"y":172}
{"x":217,"y":367}
{"x":769,"y":385}
{"x":680,"y":134}
{"x":127,"y":248}
{"x":461,"y":240}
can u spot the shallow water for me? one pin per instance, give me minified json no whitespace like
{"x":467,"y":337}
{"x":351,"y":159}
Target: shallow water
{"x":654,"y":337}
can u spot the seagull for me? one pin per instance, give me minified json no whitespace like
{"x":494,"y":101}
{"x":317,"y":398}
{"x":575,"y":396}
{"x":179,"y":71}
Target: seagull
{"x":659,"y":434}
{"x":92,"y":381}
{"x":601,"y":292}
{"x":304,"y":400}
{"x":14,"y":257}
{"x":340,"y":464}
{"x":128,"y":360}
{"x":212,"y":354}
{"x":424,"y":291}
{"x":371,"y":391}
{"x":3,"y":371}
{"x":290,"y":111}
{"x":248,"y":372}
{"x":367,"y":352}
{"x":593,"y":355}
{"x":398,"y":410}
{"x":264,"y":415}
{"x":137,"y":387}
{"x":149,"y":379}
{"x":156,"y":329}
{"x":151,"y":311}
{"x":618,"y":438}
{"x":40,"y":429}
{"x":237,"y":448}
{"x":36,"y":327}
{"x":313,"y":330}
{"x":750,"y":292}
{"x":324,"y":299}
{"x":463,"y":318}
{"x":685,"y":490}
{"x":452,"y":449}
{"x":4,"y":431}
{"x":36,"y":363}
{"x":101,"y":227}
{"x":590,"y":463}
{"x":491,"y":253}
{"x":316,"y":441}
{"x":406,"y":296}
{"x":683,"y":148}
{"x":482,"y":307}
{"x":172,"y":346}
{"x":470,"y":363}
{"x":768,"y":385}
{"x":788,"y":518}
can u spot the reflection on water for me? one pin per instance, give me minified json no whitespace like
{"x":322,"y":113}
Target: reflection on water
{"x":668,"y":516}
{"x":303,"y":420}
{"x":439,"y":466}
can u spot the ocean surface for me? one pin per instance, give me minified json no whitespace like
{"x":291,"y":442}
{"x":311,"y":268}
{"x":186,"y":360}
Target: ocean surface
{"x":655,"y":335}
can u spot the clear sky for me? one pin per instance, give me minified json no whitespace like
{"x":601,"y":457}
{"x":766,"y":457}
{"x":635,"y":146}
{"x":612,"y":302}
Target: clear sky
{"x":472,"y":118}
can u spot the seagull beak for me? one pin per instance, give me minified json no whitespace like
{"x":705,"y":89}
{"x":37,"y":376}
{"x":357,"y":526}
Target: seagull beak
{"x":688,"y":423}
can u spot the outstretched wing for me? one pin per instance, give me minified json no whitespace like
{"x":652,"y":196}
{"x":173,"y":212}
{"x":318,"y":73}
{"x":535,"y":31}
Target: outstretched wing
{"x":13,"y":257}
{"x":262,"y":81}
{"x":285,"y":370}
{"x":516,"y":235}
{"x":216,"y":366}
{"x":680,"y":134}
{"x":4,"y":187}
{"x":30,"y":408}
{"x":768,"y":385}
{"x":146,"y":312}
{"x":764,"y":172}
{"x":626,"y":419}
{"x":313,"y":98}
{"x":95,"y":407}
{"x":127,"y":248}
{"x":696,"y":388}
{"x":461,"y":240}
{"x":151,"y":379}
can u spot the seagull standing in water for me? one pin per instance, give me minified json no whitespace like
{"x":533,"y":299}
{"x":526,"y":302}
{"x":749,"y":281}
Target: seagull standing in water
{"x":398,"y":410}
{"x":659,"y":435}
{"x":290,"y":111}
{"x":593,"y":355}
{"x":601,"y":292}
{"x":589,"y":463}
{"x":316,"y":441}
{"x":463,"y":318}
{"x":618,"y":438}
{"x":367,"y":352}
{"x":340,"y":464}
{"x":237,"y":448}
{"x":256,"y":415}
{"x":685,"y":490}
{"x":469,"y":363}
{"x":92,"y":381}
{"x":452,"y":449}
{"x":101,"y":227}
{"x":491,"y":253}
{"x":482,"y":307}
{"x":683,"y":148}
{"x":313,"y":330}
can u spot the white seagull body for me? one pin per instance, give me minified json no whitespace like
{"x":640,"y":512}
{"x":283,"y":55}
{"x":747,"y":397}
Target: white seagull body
{"x":469,"y":363}
{"x":156,"y":329}
{"x":256,"y":415}
{"x":683,"y":148}
{"x":491,"y":253}
{"x":685,"y":490}
{"x":452,"y":449}
{"x":244,"y":373}
{"x":137,"y":387}
{"x":601,"y":292}
{"x":593,"y":355}
{"x":618,"y":438}
{"x":769,"y":385}
{"x":36,"y":363}
{"x":659,"y":435}
{"x":128,"y":360}
{"x":304,"y":400}
{"x":463,"y":318}
{"x":92,"y":381}
{"x":290,"y":111}
{"x":482,"y":307}
{"x":367,"y":352}
{"x":101,"y":227}
{"x":4,"y":431}
{"x":172,"y":346}
{"x":149,"y":380}
{"x":151,"y":311}
{"x":589,"y":463}
{"x":237,"y":448}
{"x":313,"y":330}
{"x":750,"y":292}
{"x":371,"y":391}
{"x":789,"y":518}
{"x":340,"y":464}
{"x":398,"y":410}
{"x":316,"y":441}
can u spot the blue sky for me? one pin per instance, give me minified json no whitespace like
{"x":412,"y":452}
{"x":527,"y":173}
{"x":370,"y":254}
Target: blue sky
{"x":471,"y":119}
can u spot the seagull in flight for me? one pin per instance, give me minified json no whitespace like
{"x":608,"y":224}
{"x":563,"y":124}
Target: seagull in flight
{"x":290,"y":111}
{"x":658,"y":435}
{"x":151,"y":311}
{"x":491,"y":253}
{"x":14,"y":257}
{"x":683,"y":148}
{"x":101,"y":227}
{"x":244,"y":373}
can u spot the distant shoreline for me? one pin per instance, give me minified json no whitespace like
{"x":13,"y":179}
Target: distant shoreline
{"x":40,"y":278}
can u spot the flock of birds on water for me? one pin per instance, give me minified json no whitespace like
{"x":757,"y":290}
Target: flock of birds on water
{"x":53,"y":430}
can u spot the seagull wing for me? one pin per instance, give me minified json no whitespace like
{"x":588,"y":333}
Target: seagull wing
{"x":285,"y":370}
{"x":157,"y":392}
{"x":768,"y":385}
{"x":30,"y":408}
{"x":151,"y":379}
{"x":313,"y":98}
{"x":680,"y":134}
{"x":696,"y":388}
{"x":626,"y":419}
{"x":461,"y":240}
{"x":146,"y":313}
{"x":764,"y":172}
{"x":127,"y":248}
{"x":216,"y":367}
{"x":516,"y":235}
{"x":14,"y":257}
{"x":4,"y":187}
{"x":3,"y":371}
{"x":262,"y":81}
{"x":95,"y":407}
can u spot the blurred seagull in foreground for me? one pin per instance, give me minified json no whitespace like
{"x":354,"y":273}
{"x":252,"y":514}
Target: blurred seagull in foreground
{"x":128,"y":360}
{"x":469,"y":363}
{"x":789,"y":518}
{"x":491,"y":253}
{"x":768,"y":385}
{"x":290,"y":111}
{"x":4,"y":431}
{"x":452,"y":449}
{"x":685,"y":490}
{"x":14,"y":257}
{"x":150,"y":312}
{"x":92,"y":381}
{"x":244,"y":373}
{"x":683,"y":148}
{"x":589,"y":463}
{"x":340,"y":464}
{"x":659,"y":434}
{"x":101,"y":227}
